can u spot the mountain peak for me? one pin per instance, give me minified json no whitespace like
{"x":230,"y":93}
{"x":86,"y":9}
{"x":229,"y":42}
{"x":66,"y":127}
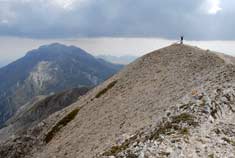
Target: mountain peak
{"x":48,"y":69}
{"x":57,"y":45}
{"x":56,"y":50}
{"x":182,"y":56}
{"x":54,"y":45}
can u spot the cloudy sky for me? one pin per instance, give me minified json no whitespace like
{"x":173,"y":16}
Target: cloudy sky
{"x":115,"y":26}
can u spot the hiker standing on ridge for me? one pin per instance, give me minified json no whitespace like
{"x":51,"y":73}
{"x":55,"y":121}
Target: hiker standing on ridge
{"x":181,"y":39}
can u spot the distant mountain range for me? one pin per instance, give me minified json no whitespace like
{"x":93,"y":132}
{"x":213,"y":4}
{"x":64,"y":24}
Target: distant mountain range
{"x":48,"y":70}
{"x":126,"y":59}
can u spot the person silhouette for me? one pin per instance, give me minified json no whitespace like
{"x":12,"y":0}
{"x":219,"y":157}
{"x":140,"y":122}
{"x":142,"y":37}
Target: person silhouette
{"x":181,"y":39}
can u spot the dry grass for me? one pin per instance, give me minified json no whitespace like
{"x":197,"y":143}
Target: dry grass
{"x":117,"y":149}
{"x":170,"y":127}
{"x":63,"y":122}
{"x":102,"y":92}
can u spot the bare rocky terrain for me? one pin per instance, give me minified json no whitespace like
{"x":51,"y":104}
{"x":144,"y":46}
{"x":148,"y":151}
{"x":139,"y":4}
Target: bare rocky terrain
{"x":174,"y":102}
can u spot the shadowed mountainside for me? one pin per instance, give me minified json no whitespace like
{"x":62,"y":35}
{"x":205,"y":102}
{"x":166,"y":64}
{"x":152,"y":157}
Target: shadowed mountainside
{"x":46,"y":70}
{"x":37,"y":110}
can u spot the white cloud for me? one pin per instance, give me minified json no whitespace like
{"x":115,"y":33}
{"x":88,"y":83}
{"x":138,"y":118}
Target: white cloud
{"x":66,"y":4}
{"x":212,"y":6}
{"x":215,"y":7}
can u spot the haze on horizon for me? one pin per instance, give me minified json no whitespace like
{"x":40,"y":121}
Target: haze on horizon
{"x":115,"y":27}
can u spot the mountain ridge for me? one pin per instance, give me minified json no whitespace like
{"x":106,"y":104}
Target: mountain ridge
{"x":175,"y":100}
{"x":131,"y":104}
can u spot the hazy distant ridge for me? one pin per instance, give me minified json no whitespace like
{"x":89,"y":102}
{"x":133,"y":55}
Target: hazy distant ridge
{"x":126,"y":59}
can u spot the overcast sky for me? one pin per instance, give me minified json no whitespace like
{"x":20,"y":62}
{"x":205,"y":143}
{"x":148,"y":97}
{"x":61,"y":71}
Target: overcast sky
{"x":129,"y":26}
{"x":196,"y":19}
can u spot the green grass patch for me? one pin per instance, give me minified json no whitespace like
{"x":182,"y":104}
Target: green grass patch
{"x":229,"y":141}
{"x":211,"y":156}
{"x":166,"y":128}
{"x":173,"y":126}
{"x":102,"y":92}
{"x":63,"y":122}
{"x":117,"y":149}
{"x":185,"y":118}
{"x":186,"y":106}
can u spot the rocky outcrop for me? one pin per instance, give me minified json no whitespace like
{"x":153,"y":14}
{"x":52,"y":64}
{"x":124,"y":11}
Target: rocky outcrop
{"x":201,"y":126}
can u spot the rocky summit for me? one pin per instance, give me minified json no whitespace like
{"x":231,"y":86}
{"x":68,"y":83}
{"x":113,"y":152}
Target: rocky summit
{"x":178,"y":101}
